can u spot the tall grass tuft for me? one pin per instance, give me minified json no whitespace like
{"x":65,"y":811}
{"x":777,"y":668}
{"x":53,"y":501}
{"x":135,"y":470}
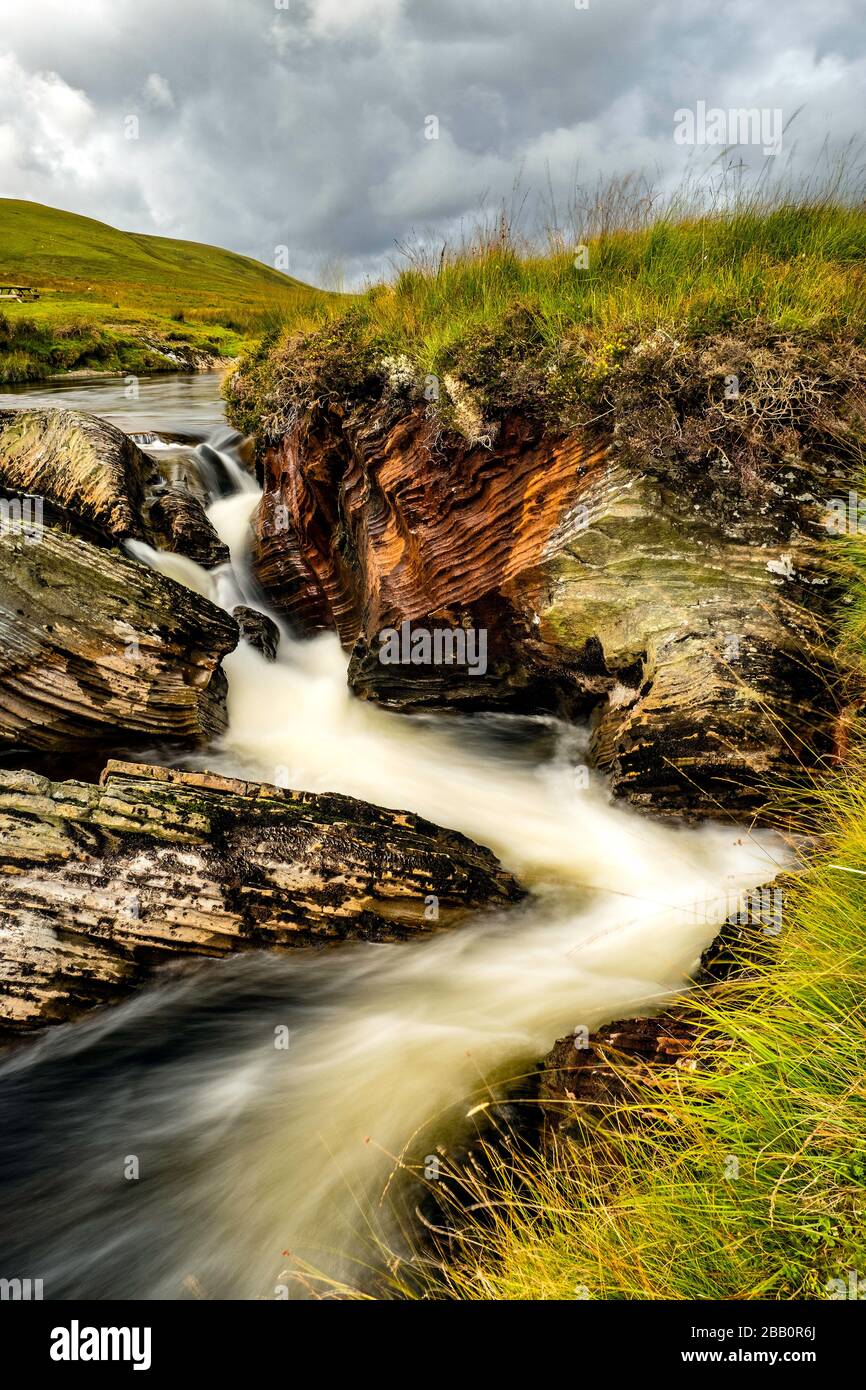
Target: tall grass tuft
{"x":548,"y":305}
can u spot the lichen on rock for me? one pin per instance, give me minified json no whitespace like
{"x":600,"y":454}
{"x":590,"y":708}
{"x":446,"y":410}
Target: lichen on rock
{"x":100,"y":883}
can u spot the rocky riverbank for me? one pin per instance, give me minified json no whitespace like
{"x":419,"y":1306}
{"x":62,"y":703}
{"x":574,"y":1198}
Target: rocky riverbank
{"x":662,"y":568}
{"x":101,"y":883}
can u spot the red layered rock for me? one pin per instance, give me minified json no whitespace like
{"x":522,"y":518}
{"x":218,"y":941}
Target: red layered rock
{"x":383,"y":522}
{"x":674,"y":605}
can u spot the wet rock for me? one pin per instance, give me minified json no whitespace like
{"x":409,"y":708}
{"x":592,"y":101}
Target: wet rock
{"x":258,"y":629}
{"x":690,"y":623}
{"x":181,"y":524}
{"x":99,"y":884}
{"x":94,"y":646}
{"x":88,"y":478}
{"x":79,"y":464}
{"x":585,"y":1079}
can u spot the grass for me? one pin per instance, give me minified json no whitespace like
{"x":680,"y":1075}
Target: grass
{"x":497,"y":320}
{"x":742,"y":1176}
{"x":114,"y":300}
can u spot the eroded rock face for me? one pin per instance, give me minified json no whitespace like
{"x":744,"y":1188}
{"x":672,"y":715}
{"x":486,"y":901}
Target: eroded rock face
{"x":687,"y":619}
{"x":371,"y":518}
{"x":95,"y":646}
{"x":100,"y":883}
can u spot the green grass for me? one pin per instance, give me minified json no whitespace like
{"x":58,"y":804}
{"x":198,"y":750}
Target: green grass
{"x":538,"y":333}
{"x":797,"y":269}
{"x":744,"y":1178}
{"x":647,"y":1203}
{"x":114,"y":300}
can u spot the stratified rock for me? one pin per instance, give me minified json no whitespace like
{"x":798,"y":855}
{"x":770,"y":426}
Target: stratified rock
{"x":258,"y":629}
{"x":667,"y":572}
{"x":92,"y":480}
{"x":79,"y":464}
{"x":180,"y":523}
{"x":100,"y":883}
{"x":94,"y":646}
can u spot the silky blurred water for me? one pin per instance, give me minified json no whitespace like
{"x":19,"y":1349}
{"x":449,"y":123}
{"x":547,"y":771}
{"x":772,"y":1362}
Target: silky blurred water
{"x":175,"y":1146}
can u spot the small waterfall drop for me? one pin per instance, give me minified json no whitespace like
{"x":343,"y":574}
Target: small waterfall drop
{"x":248,"y":1150}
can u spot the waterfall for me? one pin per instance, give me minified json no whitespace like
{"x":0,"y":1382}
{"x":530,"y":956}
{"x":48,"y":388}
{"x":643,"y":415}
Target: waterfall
{"x":248,"y":1149}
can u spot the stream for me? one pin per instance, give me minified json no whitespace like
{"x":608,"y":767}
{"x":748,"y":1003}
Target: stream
{"x":172,"y":1146}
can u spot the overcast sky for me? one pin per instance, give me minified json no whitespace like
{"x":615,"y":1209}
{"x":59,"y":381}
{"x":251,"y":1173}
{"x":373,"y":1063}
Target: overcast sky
{"x":303,"y":123}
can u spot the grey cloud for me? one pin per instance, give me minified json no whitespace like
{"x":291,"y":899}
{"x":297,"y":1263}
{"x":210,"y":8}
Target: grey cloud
{"x":262,"y":126}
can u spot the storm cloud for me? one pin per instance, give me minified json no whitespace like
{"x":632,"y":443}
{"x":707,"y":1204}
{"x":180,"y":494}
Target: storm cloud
{"x":257,"y":124}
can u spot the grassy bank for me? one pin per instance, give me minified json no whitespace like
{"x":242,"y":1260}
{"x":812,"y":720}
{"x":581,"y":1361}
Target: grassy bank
{"x":118,"y":301}
{"x":545,"y":333}
{"x":741,"y":1175}
{"x":744,"y":1175}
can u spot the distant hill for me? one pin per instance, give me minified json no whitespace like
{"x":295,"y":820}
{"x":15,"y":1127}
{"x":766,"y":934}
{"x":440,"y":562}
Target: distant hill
{"x":111,"y":299}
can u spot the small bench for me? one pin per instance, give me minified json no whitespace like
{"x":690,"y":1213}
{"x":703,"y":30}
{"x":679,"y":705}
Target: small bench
{"x":24,"y":294}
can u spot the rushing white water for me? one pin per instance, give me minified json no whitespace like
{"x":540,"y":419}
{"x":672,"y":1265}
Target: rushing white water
{"x":253,"y":1150}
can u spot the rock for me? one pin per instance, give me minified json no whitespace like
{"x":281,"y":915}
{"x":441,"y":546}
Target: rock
{"x":258,"y":629}
{"x":98,"y":884}
{"x":78,"y":464}
{"x":633,"y":573}
{"x":94,"y":647}
{"x":93,"y":481}
{"x":583,"y":1082}
{"x":180,"y":523}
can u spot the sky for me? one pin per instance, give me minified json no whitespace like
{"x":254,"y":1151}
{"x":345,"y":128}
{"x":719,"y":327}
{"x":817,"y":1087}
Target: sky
{"x":319,"y":135}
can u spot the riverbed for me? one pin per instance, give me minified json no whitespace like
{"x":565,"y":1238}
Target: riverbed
{"x":231,"y":1130}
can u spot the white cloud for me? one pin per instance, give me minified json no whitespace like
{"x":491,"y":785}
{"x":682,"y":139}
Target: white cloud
{"x":330,"y":17}
{"x":48,"y":128}
{"x":158,"y":93}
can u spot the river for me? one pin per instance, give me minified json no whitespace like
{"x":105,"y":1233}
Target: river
{"x":172,"y":1147}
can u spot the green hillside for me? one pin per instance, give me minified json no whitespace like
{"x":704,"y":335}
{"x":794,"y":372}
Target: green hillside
{"x":114,"y":300}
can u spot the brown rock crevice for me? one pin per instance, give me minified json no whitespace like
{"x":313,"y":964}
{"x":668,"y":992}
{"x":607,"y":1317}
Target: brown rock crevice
{"x":689,"y":621}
